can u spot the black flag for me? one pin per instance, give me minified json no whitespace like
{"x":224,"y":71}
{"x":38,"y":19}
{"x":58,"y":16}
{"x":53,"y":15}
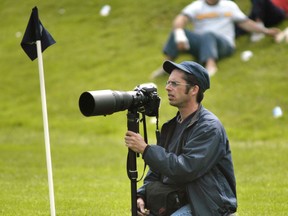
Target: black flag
{"x":35,"y":31}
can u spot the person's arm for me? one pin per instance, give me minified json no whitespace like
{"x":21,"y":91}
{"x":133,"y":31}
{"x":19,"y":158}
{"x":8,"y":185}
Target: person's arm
{"x":180,"y":21}
{"x":199,"y":154}
{"x":179,"y":24}
{"x":251,"y":26}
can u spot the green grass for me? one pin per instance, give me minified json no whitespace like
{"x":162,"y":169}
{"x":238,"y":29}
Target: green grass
{"x":119,"y":52}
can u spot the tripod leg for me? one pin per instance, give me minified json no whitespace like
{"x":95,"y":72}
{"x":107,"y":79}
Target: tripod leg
{"x":133,"y":125}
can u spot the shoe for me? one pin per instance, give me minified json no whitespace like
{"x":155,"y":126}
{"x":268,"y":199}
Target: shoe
{"x":157,"y":73}
{"x":255,"y":37}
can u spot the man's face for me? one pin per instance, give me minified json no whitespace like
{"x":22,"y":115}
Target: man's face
{"x":176,"y":88}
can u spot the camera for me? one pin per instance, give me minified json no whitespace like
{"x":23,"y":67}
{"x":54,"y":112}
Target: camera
{"x":143,"y":99}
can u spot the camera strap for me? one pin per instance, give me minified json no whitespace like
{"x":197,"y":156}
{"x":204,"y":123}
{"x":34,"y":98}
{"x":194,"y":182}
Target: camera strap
{"x":146,"y":140}
{"x":146,"y":137}
{"x":157,"y":132}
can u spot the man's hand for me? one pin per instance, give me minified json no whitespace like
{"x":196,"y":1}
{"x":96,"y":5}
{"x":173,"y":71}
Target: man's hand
{"x":135,"y":142}
{"x":141,"y":207}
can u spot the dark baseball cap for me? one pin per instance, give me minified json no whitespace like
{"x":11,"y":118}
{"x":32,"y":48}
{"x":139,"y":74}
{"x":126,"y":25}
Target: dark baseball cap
{"x":190,"y":67}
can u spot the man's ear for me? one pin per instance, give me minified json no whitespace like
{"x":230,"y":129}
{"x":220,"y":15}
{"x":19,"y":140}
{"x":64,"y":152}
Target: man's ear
{"x":195,"y":89}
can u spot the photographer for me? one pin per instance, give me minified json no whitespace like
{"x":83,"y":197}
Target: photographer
{"x":190,"y":169}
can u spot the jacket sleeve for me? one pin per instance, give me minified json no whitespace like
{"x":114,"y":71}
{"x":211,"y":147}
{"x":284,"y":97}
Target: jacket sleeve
{"x":204,"y":147}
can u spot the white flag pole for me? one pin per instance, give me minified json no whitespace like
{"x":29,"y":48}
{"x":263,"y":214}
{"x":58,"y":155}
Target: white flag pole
{"x":46,"y":128}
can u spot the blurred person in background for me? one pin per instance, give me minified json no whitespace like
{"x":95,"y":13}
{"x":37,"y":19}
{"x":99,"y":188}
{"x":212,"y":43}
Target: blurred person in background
{"x":190,"y":169}
{"x":266,"y":13}
{"x":213,"y":35}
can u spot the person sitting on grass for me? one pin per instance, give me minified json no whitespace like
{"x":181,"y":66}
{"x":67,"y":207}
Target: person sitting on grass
{"x":214,"y":32}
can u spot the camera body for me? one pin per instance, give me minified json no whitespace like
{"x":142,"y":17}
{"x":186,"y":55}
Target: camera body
{"x":143,"y":99}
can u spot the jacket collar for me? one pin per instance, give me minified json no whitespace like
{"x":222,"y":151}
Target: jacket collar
{"x":196,"y":115}
{"x":194,"y":118}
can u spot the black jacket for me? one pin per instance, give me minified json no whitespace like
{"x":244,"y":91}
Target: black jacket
{"x":203,"y":163}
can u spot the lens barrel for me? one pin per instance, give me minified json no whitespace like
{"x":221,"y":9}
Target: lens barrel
{"x":105,"y":102}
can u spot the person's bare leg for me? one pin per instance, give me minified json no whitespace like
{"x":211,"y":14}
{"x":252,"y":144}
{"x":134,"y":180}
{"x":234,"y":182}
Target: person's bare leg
{"x":211,"y":66}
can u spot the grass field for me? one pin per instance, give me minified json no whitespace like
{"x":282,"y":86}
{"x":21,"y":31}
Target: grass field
{"x":119,"y":52}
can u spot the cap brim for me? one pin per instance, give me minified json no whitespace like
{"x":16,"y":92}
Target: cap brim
{"x":169,"y":66}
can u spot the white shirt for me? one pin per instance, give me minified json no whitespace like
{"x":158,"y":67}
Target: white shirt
{"x":218,"y":18}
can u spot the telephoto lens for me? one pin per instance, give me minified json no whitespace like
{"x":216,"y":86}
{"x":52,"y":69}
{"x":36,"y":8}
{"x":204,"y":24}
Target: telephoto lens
{"x":104,"y":102}
{"x":143,"y":99}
